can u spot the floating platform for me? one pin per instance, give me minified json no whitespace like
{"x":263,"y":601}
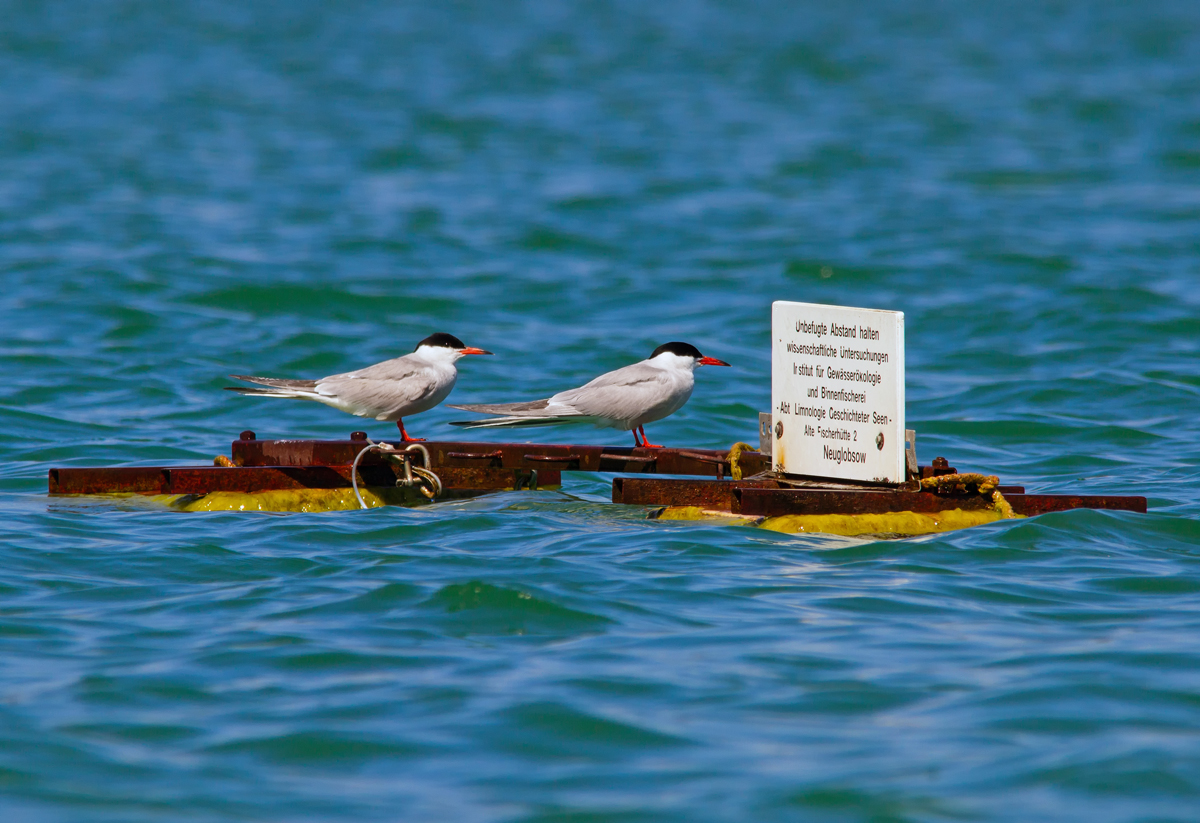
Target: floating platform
{"x":735,"y":486}
{"x":464,"y":468}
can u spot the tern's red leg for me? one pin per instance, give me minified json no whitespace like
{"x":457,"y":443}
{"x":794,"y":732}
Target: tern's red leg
{"x":404,"y":435}
{"x":637,"y":443}
{"x":646,"y":443}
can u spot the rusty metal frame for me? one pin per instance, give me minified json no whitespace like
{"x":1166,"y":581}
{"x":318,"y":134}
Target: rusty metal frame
{"x":250,"y":451}
{"x":467,"y":468}
{"x":205,"y":479}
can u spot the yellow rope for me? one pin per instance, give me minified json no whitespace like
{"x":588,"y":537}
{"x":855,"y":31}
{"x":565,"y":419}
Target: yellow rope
{"x":223,"y":461}
{"x":958,"y":483}
{"x":1002,"y":506}
{"x":962,"y":483}
{"x":735,"y":454}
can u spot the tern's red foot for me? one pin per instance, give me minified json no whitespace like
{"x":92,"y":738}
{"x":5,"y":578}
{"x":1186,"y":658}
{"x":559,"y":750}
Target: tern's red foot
{"x":404,"y":438}
{"x":645,"y":444}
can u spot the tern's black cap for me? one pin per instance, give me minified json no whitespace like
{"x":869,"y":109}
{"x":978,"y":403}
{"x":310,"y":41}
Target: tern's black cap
{"x":442,"y":340}
{"x":680,"y":349}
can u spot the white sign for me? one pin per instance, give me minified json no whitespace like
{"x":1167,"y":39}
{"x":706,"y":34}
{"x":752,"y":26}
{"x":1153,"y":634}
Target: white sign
{"x":837,"y":392}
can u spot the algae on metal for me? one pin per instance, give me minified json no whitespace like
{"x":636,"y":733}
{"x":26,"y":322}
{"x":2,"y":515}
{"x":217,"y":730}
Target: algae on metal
{"x":848,"y":525}
{"x":906,"y":523}
{"x":292,"y":500}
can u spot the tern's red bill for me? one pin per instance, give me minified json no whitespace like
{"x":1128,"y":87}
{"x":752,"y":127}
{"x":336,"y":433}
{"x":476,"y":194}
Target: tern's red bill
{"x":711,"y":361}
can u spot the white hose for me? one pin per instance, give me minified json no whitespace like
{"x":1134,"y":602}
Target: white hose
{"x":354,"y":475}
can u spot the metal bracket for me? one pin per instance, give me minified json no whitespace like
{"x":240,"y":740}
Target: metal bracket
{"x":428,"y":483}
{"x":765,"y":436}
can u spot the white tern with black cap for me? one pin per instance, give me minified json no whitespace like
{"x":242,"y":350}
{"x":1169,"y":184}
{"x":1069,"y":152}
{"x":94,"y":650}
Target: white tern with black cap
{"x":625,"y":399}
{"x":391,"y":390}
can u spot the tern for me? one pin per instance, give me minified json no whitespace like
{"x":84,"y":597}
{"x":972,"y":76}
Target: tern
{"x":391,"y":390}
{"x":625,"y":399}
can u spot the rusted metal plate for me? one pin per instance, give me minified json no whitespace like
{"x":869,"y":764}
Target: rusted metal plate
{"x":1035,"y":504}
{"x":121,"y":480}
{"x":717,"y":495}
{"x":205,"y":479}
{"x":774,"y":502}
{"x":710,"y":494}
{"x":764,"y":498}
{"x":700,"y":462}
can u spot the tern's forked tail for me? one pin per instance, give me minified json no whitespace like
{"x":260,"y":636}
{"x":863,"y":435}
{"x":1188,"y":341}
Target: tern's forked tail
{"x":518,"y":422}
{"x":278,"y":387}
{"x":517,"y":415}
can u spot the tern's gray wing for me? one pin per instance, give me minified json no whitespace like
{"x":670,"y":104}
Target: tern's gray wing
{"x":625,"y":394}
{"x":564,"y":403}
{"x":397,"y":368}
{"x":383,"y":399}
{"x":386,"y":390}
{"x":632,"y":374}
{"x":624,"y":398}
{"x":630,"y":393}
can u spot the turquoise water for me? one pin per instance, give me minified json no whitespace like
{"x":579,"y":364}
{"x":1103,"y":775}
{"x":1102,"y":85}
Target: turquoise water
{"x":193,"y":189}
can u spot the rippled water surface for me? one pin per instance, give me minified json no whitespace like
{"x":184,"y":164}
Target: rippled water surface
{"x":193,"y":189}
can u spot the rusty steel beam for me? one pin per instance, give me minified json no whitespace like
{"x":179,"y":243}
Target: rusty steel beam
{"x":249,"y":451}
{"x":717,"y":495}
{"x":107,"y":481}
{"x":1032,"y":505}
{"x":774,"y":502}
{"x":764,"y":498}
{"x":205,"y":479}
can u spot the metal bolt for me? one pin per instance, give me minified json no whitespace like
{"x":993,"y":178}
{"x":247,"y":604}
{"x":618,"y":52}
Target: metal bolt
{"x":358,"y":435}
{"x":779,"y":429}
{"x":941,"y":463}
{"x":246,"y":435}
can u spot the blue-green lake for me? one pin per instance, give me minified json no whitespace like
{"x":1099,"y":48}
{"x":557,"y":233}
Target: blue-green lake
{"x":194,"y":189}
